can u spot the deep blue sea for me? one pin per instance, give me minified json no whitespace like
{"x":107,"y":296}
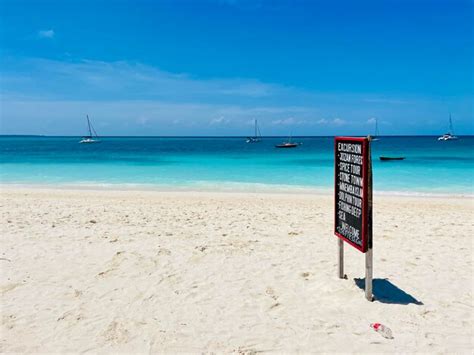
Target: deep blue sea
{"x":231,"y":164}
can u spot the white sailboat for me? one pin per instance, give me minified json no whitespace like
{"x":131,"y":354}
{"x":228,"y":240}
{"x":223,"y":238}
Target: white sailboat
{"x":375,"y":137}
{"x":257,"y":136}
{"x":450,"y":135}
{"x":92,"y":137}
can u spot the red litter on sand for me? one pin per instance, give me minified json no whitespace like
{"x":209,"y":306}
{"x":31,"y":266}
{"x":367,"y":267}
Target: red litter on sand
{"x":383,"y":330}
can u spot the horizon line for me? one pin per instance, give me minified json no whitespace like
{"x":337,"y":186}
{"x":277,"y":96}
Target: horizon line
{"x":214,"y":136}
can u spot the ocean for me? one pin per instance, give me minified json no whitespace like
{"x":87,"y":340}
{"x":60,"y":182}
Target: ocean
{"x":228,"y":163}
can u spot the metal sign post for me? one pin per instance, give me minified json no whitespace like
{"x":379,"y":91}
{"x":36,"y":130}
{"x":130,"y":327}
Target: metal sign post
{"x":369,"y":269}
{"x":368,"y":275}
{"x":341,"y":258}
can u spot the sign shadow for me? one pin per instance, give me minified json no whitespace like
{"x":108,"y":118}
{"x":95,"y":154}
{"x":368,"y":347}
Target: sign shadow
{"x":386,"y":292}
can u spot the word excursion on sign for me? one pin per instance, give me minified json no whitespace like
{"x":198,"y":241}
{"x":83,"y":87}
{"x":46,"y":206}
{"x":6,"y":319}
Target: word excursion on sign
{"x":351,"y":190}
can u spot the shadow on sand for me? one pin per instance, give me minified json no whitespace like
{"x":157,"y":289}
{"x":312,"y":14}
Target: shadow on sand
{"x":386,"y":292}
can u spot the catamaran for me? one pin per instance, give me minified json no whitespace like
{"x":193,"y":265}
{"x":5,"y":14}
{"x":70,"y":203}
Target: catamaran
{"x":92,"y":137}
{"x":450,"y":135}
{"x":257,"y":137}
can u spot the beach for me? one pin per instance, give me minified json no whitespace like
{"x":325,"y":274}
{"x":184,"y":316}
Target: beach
{"x":86,"y":270}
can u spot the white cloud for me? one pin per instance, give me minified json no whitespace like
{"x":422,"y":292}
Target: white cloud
{"x":219,"y":120}
{"x":371,"y":120}
{"x":290,"y":121}
{"x":338,"y":122}
{"x":333,"y":122}
{"x":286,"y":121}
{"x":124,"y":80}
{"x":46,"y":34}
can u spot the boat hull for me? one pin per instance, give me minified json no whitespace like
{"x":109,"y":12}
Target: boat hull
{"x":391,"y":158}
{"x":253,"y":140}
{"x":288,"y":145}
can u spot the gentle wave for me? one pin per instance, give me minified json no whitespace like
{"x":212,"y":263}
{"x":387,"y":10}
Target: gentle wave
{"x":225,"y":187}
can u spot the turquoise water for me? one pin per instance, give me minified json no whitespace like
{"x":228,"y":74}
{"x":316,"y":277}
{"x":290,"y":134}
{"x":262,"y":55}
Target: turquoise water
{"x":230,"y":163}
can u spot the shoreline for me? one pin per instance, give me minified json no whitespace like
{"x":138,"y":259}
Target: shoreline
{"x":225,"y":188}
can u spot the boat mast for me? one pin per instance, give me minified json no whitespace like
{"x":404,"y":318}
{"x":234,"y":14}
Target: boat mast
{"x":450,"y":125}
{"x":376,"y":128}
{"x":255,"y":129}
{"x":89,"y":125}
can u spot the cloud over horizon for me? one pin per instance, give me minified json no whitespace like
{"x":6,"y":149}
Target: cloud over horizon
{"x":133,"y":98}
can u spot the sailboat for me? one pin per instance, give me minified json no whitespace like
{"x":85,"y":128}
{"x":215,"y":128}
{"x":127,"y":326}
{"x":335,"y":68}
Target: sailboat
{"x":375,"y":137}
{"x":92,"y":137}
{"x":257,"y":137}
{"x":450,"y":135}
{"x":288,"y":144}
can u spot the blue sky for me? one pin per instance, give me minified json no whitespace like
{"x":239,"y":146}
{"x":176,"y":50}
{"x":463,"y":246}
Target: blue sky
{"x":212,"y":67}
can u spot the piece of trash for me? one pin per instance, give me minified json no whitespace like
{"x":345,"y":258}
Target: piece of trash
{"x":383,"y":330}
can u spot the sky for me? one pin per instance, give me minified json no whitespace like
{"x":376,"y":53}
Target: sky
{"x":211,"y":67}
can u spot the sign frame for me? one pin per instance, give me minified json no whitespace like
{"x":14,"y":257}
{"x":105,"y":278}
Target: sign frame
{"x":367,"y":217}
{"x":366,"y":208}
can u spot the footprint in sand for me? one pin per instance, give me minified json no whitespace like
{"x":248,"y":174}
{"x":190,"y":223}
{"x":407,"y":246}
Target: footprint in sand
{"x":305,"y":275}
{"x":271,"y":292}
{"x":201,"y":248}
{"x":8,"y":321}
{"x":72,"y":315}
{"x":275,"y":305}
{"x":114,"y":263}
{"x":116,"y":333}
{"x":163,"y":251}
{"x":246,"y":351}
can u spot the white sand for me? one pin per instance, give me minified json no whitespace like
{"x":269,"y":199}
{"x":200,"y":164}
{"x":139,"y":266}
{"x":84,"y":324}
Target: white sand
{"x":200,"y":272}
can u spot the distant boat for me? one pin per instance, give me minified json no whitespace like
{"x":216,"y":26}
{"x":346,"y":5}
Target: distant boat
{"x":288,"y":144}
{"x":391,"y":158}
{"x":450,"y":135}
{"x":257,"y":137}
{"x":92,"y":137}
{"x":375,"y":137}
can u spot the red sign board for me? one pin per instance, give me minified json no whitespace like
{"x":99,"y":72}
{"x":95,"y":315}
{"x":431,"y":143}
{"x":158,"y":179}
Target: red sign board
{"x":353,"y":191}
